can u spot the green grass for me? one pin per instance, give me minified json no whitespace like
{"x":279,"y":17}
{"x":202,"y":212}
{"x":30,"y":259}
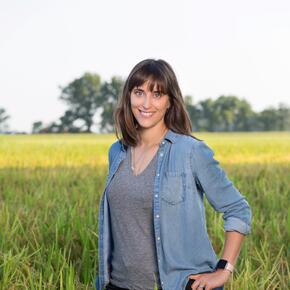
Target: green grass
{"x":50,"y":186}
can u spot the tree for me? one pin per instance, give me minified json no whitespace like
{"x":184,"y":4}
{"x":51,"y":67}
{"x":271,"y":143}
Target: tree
{"x":194,"y":112}
{"x":67,"y":122}
{"x":110,"y":92}
{"x":244,"y":117}
{"x":209,"y":116}
{"x":83,"y":97}
{"x":36,"y":127}
{"x":268,"y":119}
{"x":233,"y":114}
{"x":283,"y":116}
{"x":188,"y":100}
{"x":3,"y":119}
{"x":226,"y":108}
{"x":275,"y":119}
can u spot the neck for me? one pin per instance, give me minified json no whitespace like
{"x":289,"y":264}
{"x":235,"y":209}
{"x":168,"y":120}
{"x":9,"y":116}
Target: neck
{"x":151,"y":136}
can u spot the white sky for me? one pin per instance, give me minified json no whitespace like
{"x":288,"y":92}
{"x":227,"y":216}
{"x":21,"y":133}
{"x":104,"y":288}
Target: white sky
{"x":215,"y":47}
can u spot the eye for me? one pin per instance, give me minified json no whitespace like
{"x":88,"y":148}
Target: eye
{"x":138,"y":93}
{"x":157,"y":94}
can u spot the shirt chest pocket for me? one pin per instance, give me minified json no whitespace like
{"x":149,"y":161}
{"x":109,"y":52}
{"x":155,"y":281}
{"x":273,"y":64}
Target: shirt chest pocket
{"x":173,"y":187}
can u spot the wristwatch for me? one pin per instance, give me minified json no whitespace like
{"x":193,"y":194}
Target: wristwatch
{"x":224,"y":264}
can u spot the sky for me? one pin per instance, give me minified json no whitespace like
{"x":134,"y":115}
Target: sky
{"x":216,"y":48}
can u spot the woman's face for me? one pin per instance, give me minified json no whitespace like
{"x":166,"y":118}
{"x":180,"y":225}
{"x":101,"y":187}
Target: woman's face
{"x":148,"y":107}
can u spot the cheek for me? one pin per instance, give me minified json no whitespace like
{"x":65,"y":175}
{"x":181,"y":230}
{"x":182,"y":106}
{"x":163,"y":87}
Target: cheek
{"x":162,"y":106}
{"x":134,"y":102}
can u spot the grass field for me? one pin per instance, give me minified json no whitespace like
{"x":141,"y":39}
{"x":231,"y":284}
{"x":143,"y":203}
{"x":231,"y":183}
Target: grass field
{"x":50,"y":186}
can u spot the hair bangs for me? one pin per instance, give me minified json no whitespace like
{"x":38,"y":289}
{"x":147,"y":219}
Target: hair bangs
{"x":151,"y":74}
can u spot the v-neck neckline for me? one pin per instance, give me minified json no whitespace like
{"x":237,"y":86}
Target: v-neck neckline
{"x":145,"y":169}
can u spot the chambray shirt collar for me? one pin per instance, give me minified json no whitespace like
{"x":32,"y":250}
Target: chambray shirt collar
{"x":170,"y":136}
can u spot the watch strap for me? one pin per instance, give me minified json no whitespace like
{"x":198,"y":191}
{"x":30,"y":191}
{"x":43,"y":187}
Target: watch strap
{"x":230,"y":267}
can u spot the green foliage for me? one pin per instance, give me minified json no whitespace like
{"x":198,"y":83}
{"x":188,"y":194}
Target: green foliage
{"x":228,"y":113}
{"x":83,"y":97}
{"x":110,"y":92}
{"x":3,"y":119}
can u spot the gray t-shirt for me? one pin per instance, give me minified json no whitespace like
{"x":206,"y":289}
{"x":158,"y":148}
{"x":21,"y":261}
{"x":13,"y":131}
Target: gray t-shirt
{"x":134,"y":259}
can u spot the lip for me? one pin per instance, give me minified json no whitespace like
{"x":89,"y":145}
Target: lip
{"x":145,"y":111}
{"x":144,"y":116}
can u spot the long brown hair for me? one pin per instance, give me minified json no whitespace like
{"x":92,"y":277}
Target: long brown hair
{"x":157,"y":72}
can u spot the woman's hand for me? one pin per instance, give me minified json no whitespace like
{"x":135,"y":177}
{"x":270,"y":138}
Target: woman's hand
{"x":210,"y":280}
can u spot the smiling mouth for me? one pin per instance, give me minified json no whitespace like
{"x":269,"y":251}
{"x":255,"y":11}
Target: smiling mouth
{"x":146,"y":114}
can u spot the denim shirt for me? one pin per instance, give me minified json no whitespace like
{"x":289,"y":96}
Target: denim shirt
{"x":186,"y":171}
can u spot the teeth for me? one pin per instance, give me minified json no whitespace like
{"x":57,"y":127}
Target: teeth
{"x":146,"y":114}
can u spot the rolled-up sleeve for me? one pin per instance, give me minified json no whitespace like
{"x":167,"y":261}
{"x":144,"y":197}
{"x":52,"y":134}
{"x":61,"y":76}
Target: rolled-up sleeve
{"x":220,"y":192}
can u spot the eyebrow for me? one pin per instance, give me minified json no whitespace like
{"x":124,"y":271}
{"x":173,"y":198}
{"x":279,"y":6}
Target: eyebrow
{"x":136,"y":88}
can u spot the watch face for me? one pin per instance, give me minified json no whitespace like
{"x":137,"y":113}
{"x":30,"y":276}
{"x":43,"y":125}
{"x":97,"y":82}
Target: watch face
{"x":222,"y":264}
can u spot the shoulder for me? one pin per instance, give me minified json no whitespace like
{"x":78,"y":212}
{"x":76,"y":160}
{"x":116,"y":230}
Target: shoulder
{"x":195,"y":148}
{"x":187,"y":143}
{"x":114,"y":149}
{"x":116,"y":146}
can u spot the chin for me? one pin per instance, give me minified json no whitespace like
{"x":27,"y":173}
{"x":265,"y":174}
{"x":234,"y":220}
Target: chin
{"x":147,"y":125}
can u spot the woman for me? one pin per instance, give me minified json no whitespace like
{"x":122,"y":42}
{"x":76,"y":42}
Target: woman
{"x":152,"y":226}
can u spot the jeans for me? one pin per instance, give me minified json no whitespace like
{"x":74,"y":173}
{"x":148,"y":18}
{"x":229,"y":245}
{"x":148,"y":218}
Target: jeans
{"x":111,"y":286}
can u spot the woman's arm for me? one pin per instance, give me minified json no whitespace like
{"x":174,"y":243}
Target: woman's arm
{"x":231,"y":250}
{"x":224,"y":197}
{"x":220,"y":191}
{"x":232,"y":246}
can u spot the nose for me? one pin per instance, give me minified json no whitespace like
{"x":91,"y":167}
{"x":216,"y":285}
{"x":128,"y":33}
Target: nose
{"x":147,"y":101}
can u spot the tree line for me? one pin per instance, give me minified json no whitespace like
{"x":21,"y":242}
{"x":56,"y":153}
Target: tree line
{"x":88,"y":95}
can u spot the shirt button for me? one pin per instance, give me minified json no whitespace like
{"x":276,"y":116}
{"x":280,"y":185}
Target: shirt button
{"x":161,"y":282}
{"x":156,"y":195}
{"x":158,"y":238}
{"x":163,"y":142}
{"x":158,"y":174}
{"x":157,"y":215}
{"x":161,"y":154}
